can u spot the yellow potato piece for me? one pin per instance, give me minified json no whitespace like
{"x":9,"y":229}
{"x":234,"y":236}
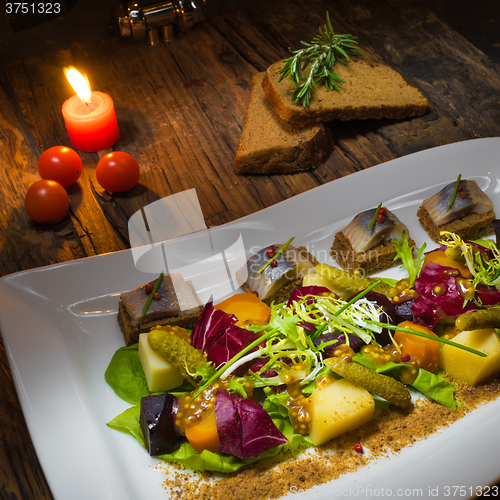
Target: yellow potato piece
{"x":466,"y":366}
{"x":160,"y":376}
{"x":337,"y":408}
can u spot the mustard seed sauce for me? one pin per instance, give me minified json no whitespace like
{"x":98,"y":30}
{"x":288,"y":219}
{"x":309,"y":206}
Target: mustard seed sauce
{"x":385,"y":435}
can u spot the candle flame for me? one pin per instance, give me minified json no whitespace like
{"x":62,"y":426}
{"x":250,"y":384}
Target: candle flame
{"x":79,"y":83}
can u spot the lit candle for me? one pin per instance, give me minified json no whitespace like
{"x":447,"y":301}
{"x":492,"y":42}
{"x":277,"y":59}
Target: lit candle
{"x":89,"y":116}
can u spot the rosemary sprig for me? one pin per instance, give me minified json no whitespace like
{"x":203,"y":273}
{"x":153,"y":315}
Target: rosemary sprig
{"x":320,"y":56}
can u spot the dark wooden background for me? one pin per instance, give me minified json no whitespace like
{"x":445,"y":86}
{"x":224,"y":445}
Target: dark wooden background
{"x":181,"y":108}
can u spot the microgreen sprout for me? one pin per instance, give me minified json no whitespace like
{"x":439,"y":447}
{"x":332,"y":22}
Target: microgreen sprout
{"x":454,"y":194}
{"x":279,"y":252}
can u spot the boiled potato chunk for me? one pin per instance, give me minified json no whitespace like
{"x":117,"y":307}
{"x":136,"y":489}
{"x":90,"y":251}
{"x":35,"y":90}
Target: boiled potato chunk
{"x":466,"y":366}
{"x":160,"y":376}
{"x":337,"y":408}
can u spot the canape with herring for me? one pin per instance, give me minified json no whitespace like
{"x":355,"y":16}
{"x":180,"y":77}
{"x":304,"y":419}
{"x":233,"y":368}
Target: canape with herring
{"x":364,"y":245}
{"x":461,"y":207}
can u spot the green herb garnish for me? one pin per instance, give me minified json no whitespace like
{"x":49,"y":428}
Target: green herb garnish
{"x":276,"y":255}
{"x":454,"y":195}
{"x":357,"y":297}
{"x":233,"y":360}
{"x":320,"y":56}
{"x":374,"y":218}
{"x":432,"y":337}
{"x":150,"y":298}
{"x":405,"y":252}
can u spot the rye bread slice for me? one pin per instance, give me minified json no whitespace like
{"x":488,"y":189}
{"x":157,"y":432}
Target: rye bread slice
{"x":370,"y":91}
{"x":375,"y":260}
{"x":470,"y":227}
{"x":271,"y":145}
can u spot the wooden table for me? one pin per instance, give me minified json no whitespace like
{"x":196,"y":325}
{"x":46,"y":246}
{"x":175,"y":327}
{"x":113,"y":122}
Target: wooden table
{"x":181,"y":108}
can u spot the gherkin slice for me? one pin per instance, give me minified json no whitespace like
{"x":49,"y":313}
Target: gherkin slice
{"x":386,"y":387}
{"x":177,"y":352}
{"x":348,"y":282}
{"x":477,"y":320}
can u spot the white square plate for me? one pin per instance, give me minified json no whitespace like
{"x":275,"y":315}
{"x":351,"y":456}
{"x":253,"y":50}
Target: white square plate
{"x":59,"y":329}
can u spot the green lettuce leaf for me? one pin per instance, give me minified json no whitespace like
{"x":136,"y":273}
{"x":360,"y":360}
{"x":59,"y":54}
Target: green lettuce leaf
{"x":129,"y":423}
{"x":405,"y":252}
{"x":436,"y":387}
{"x":126,"y":376}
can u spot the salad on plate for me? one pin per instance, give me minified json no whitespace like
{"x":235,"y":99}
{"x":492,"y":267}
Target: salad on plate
{"x":253,"y":380}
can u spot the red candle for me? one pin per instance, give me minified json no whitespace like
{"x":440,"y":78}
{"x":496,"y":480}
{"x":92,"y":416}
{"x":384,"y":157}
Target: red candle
{"x":89,"y":117}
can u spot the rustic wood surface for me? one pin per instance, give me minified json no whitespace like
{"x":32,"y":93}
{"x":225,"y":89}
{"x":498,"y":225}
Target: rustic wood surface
{"x":181,"y":108}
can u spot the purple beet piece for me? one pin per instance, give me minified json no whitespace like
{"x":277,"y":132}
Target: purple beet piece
{"x":403,"y":311}
{"x":303,"y":291}
{"x":430,"y":307}
{"x":355,"y":342}
{"x":157,"y":423}
{"x":496,"y":228}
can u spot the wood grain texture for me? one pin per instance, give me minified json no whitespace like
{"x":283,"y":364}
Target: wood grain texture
{"x":181,"y":108}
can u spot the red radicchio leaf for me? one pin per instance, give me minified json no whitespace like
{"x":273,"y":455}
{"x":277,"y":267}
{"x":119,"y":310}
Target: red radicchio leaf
{"x":430,"y":307}
{"x":245,"y":429}
{"x":230,"y":343}
{"x":210,"y":326}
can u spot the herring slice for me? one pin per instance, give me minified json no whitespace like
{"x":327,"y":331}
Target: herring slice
{"x":473,"y":200}
{"x":363,"y":238}
{"x":176,"y":297}
{"x":290,"y":265}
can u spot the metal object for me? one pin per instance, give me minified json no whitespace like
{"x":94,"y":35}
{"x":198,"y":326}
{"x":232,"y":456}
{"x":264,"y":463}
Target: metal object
{"x":161,"y":19}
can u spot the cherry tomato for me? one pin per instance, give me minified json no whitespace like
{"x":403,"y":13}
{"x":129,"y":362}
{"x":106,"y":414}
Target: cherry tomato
{"x":60,"y":164}
{"x":117,"y":172}
{"x":47,"y":202}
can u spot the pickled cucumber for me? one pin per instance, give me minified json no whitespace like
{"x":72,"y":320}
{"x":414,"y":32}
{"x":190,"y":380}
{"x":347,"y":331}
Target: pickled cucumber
{"x":478,"y":320}
{"x":177,"y":352}
{"x":386,"y":387}
{"x":348,"y":282}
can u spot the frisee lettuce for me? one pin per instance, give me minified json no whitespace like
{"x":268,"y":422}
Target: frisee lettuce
{"x":405,"y":252}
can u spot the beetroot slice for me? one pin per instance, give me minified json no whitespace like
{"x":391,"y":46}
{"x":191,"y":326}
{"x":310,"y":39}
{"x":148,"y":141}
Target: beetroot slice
{"x":157,"y":423}
{"x":430,"y":307}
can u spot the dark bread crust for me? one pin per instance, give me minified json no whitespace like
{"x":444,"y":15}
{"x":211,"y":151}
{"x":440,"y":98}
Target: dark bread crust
{"x":131,"y":333}
{"x":270,"y":145}
{"x":370,"y":91}
{"x":375,"y":260}
{"x":470,"y":227}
